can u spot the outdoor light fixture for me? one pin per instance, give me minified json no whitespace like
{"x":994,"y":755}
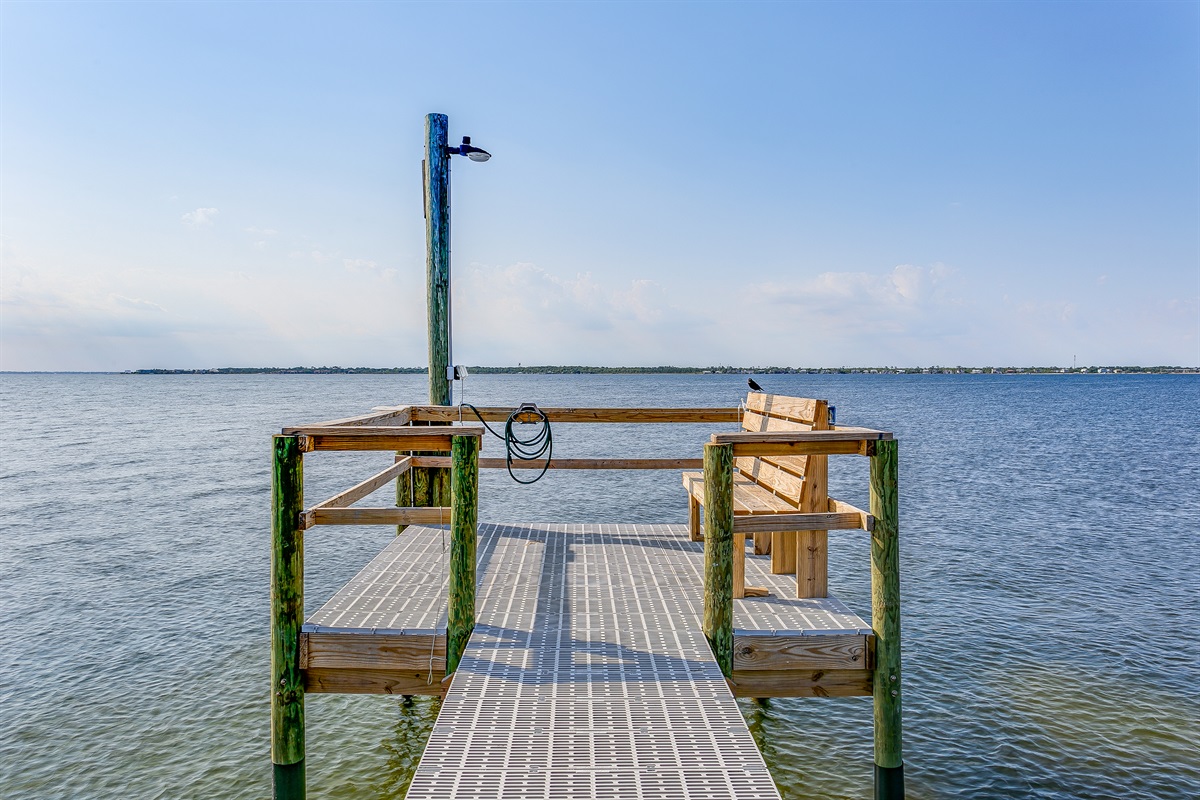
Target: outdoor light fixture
{"x":465,"y":149}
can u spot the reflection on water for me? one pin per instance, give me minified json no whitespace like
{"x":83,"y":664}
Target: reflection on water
{"x":1049,"y":559}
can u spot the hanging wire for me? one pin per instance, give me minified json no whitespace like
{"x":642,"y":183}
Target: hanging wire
{"x":516,"y":448}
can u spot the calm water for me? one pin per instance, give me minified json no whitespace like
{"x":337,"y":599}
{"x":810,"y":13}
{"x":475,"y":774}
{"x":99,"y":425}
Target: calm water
{"x":1050,"y":551}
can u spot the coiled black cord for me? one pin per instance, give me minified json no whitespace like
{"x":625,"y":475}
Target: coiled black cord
{"x":539,"y":445}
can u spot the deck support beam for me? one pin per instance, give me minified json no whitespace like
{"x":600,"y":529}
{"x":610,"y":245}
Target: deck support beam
{"x":718,"y":553}
{"x":885,"y":621}
{"x":464,"y":513}
{"x":287,"y":617}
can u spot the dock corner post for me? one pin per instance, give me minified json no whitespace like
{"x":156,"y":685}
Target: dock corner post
{"x":437,"y":255}
{"x":885,"y":621}
{"x":718,"y":553}
{"x":287,"y":617}
{"x":464,"y":515}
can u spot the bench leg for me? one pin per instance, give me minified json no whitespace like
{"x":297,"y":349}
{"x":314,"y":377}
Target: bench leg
{"x":783,"y":552}
{"x":812,"y":566}
{"x":694,"y":519}
{"x":739,"y":566}
{"x":762,"y":543}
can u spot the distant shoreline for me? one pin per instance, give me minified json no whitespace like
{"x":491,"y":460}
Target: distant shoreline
{"x":660,"y":370}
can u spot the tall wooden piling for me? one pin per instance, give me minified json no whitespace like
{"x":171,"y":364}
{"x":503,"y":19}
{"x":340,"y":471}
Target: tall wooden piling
{"x":464,"y":514}
{"x":287,"y":617}
{"x":718,"y":553}
{"x":437,"y":255}
{"x":885,"y":621}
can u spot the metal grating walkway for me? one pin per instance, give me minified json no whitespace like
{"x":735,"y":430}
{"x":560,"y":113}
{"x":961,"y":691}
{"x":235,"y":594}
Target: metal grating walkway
{"x":587,"y":675}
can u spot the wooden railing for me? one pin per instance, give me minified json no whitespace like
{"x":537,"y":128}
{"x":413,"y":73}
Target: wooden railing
{"x":413,"y":431}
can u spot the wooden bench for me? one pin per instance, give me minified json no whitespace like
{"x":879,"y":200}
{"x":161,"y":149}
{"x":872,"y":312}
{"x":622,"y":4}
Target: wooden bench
{"x":777,"y":485}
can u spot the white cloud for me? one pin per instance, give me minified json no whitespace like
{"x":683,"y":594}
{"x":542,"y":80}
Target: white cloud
{"x":200,"y":218}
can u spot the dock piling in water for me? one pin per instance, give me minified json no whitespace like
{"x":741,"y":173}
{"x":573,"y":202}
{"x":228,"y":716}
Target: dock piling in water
{"x":287,"y":619}
{"x":718,"y":553}
{"x":885,"y":621}
{"x":464,"y":512}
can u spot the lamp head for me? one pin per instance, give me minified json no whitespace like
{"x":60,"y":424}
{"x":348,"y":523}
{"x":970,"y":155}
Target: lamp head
{"x":471,"y":152}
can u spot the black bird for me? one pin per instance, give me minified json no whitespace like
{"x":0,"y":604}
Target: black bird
{"x":753,"y":385}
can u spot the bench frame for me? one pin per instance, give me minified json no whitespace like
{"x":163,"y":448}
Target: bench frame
{"x":777,"y":485}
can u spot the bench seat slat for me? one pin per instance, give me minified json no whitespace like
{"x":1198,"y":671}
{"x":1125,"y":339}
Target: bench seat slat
{"x":748,"y":496}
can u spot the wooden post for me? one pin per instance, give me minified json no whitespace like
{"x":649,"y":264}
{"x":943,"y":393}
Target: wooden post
{"x":885,"y":621}
{"x":437,"y":255}
{"x":287,"y":617}
{"x":404,"y":494}
{"x":718,"y":553}
{"x":812,"y":547}
{"x":464,"y":511}
{"x":431,"y":486}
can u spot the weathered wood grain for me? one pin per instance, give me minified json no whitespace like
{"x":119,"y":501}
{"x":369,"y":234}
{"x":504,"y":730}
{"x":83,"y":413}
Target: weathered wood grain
{"x":802,"y":683}
{"x":885,"y":604}
{"x":718,"y":553}
{"x":437,"y":255}
{"x":460,"y":611}
{"x":400,"y":652}
{"x":371,"y":681}
{"x":647,"y":415}
{"x":821,"y":652}
{"x":433,"y":515}
{"x":287,"y":606}
{"x":575,"y":463}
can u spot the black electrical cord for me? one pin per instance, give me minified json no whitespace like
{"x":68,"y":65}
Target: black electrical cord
{"x":539,"y":445}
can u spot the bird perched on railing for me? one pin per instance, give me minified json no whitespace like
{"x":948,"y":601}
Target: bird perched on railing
{"x":753,"y":385}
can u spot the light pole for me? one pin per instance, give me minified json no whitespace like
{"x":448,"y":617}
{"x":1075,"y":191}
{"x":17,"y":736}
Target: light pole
{"x":437,"y":248}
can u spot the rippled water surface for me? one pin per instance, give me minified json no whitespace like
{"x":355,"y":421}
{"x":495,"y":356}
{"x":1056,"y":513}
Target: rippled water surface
{"x":1050,"y":555}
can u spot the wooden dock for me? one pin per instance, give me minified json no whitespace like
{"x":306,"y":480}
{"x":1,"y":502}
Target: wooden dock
{"x":588,"y":673}
{"x":579,"y":660}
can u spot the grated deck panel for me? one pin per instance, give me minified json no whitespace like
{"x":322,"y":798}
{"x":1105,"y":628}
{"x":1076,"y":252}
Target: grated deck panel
{"x":587,"y":674}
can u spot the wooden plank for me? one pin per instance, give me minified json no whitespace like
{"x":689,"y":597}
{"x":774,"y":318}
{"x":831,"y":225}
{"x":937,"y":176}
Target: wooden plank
{"x":802,"y":683}
{"x":753,"y":422}
{"x":434,"y":515}
{"x":371,"y":484}
{"x":574,"y":463}
{"x":799,"y":409}
{"x":371,"y":681}
{"x":401,"y":432}
{"x":818,"y":448}
{"x":820,"y":652}
{"x":865,"y":521}
{"x":797,"y":522}
{"x":382,"y":441}
{"x":382,"y":651}
{"x":650,"y":415}
{"x":838,"y":435}
{"x":771,"y":476}
{"x":400,"y":415}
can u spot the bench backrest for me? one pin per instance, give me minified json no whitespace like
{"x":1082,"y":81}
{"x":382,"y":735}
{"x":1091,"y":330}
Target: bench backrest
{"x":801,"y":480}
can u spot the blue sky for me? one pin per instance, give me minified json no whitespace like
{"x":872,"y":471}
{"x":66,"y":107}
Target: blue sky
{"x":808,"y":184}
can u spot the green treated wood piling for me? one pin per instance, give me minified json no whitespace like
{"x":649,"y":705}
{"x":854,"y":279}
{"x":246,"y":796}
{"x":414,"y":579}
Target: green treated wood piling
{"x":464,"y":513}
{"x":718,"y":553}
{"x":885,"y":621}
{"x":287,"y":617}
{"x":437,"y":255}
